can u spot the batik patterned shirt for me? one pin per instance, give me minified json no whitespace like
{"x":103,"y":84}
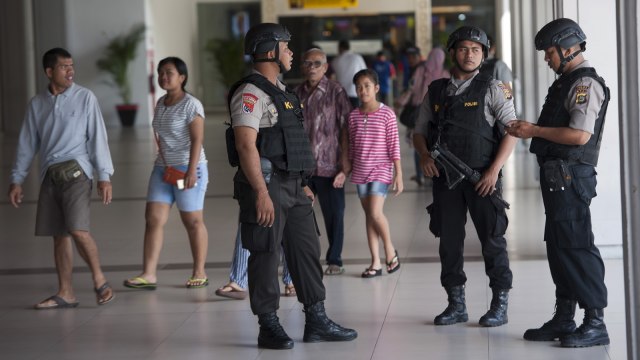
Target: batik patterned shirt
{"x":326,"y":109}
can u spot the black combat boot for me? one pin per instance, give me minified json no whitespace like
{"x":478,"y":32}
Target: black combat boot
{"x":272,"y":335}
{"x":318,"y":327}
{"x":456,"y":311}
{"x":560,"y":324}
{"x":497,"y":314}
{"x":592,"y":331}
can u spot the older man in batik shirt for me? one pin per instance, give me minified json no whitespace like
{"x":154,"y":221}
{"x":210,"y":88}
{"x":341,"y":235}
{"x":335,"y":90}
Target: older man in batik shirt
{"x":326,"y":109}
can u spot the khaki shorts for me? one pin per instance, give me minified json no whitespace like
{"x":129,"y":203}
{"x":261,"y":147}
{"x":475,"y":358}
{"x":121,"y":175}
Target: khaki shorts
{"x":64,"y":207}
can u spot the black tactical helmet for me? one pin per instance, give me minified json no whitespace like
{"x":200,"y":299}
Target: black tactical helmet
{"x":264,"y":37}
{"x":561,"y":32}
{"x":470,"y":33}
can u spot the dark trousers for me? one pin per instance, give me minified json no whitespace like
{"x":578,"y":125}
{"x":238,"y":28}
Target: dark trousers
{"x":296,"y":229}
{"x":448,"y":219}
{"x":575,"y":263}
{"x":332,"y":204}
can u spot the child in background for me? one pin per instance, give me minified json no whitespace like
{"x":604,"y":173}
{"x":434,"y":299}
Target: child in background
{"x":373,"y":161}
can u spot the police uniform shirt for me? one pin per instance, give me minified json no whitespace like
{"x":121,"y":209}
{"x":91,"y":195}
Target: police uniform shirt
{"x":498,"y":104}
{"x":584,"y":102}
{"x":252,"y":107}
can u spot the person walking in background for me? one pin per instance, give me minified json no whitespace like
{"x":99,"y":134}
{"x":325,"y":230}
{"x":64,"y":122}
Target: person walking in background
{"x":566,"y":141}
{"x":386,"y":74}
{"x":496,"y":67}
{"x":466,"y":115}
{"x":279,"y":210}
{"x":237,"y":286}
{"x":424,"y":72}
{"x":345,"y":66}
{"x":326,"y":108}
{"x":178,"y":123}
{"x":63,"y":125}
{"x":373,"y":162}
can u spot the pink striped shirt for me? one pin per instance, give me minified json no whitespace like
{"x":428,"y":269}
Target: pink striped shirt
{"x":374,"y":144}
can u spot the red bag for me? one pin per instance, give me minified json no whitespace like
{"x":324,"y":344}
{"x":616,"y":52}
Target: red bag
{"x":172,"y":175}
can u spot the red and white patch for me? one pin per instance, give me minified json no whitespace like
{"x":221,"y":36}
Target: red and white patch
{"x":248,"y":101}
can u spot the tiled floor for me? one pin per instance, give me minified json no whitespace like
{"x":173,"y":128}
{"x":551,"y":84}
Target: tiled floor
{"x":393,"y":313}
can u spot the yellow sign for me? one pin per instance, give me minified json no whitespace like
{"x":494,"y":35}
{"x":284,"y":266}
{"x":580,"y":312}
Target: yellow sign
{"x":322,"y":4}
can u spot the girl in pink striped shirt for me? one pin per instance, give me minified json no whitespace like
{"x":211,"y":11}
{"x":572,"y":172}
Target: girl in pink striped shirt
{"x":373,"y":154}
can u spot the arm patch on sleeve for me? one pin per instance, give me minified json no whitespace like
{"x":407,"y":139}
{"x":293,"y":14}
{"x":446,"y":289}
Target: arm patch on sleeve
{"x":581,"y":94}
{"x":506,"y":91}
{"x":248,"y":102}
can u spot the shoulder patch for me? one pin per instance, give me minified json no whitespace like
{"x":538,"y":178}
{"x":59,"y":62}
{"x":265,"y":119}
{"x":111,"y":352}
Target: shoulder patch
{"x":581,"y":94}
{"x":248,"y":102}
{"x":505,"y":91}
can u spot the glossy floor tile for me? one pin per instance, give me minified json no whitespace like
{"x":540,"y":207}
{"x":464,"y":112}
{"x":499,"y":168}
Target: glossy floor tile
{"x":392,"y":313}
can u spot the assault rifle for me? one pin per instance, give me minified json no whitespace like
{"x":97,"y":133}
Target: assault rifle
{"x":456,"y":170}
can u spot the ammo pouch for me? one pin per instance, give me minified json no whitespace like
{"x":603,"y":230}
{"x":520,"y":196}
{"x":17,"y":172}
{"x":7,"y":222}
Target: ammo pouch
{"x":64,"y":172}
{"x":556,"y":174}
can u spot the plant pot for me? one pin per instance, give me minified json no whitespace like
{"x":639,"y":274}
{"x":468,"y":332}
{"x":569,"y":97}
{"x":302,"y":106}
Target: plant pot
{"x":127,"y":114}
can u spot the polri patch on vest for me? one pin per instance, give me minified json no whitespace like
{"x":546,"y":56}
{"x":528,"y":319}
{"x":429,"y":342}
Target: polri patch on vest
{"x":248,"y":102}
{"x":581,"y":94}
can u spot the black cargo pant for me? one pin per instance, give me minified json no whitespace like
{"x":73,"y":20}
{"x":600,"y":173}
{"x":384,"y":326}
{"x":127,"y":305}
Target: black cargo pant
{"x":575,"y":263}
{"x":448,"y":218}
{"x":295,"y":228}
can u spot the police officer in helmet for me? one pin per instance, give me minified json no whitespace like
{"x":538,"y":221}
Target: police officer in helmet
{"x":566,"y":141}
{"x":466,"y":115}
{"x":275,"y":160}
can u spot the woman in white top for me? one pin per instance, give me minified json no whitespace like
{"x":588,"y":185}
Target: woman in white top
{"x":178,"y":124}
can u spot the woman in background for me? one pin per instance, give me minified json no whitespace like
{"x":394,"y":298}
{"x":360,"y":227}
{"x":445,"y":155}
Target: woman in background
{"x":178,"y":123}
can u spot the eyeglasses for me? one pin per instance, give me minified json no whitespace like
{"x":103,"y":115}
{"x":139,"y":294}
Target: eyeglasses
{"x":313,"y":64}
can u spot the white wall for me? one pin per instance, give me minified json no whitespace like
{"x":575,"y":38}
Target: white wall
{"x":597,"y":18}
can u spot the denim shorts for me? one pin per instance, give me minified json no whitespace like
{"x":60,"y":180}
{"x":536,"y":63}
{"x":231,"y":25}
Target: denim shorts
{"x":187,"y":200}
{"x":373,"y":188}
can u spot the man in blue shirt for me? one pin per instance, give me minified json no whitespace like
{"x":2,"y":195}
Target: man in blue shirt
{"x":64,"y":126}
{"x":386,"y":73}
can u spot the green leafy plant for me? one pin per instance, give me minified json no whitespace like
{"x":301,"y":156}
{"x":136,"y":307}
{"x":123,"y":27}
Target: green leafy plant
{"x":117,"y":56}
{"x":228,"y":55}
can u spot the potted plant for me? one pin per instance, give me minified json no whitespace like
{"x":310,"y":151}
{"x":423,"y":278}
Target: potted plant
{"x":117,"y":56}
{"x":229,"y":59}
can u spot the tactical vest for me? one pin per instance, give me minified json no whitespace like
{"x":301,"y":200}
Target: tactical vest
{"x":459,"y":123}
{"x":286,"y":144}
{"x":554,"y":114}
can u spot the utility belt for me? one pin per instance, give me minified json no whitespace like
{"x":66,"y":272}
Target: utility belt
{"x":64,"y":172}
{"x":544,"y":159}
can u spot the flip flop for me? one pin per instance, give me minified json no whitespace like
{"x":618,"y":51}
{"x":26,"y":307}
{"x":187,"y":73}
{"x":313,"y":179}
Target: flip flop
{"x":231,"y":294}
{"x":139,"y":283}
{"x":395,"y":260}
{"x":101,"y":291}
{"x":196,"y":283}
{"x":371,"y":272}
{"x":59,"y":303}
